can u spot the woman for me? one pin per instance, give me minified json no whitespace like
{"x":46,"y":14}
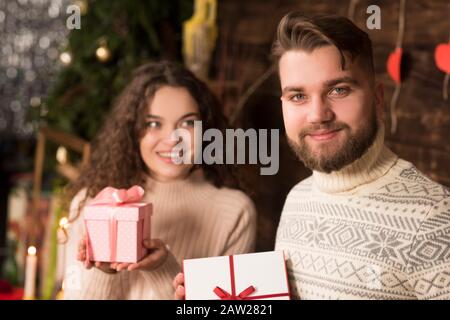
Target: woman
{"x":194,"y":214}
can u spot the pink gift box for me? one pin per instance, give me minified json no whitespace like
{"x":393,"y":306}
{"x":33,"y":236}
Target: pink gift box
{"x":253,"y":276}
{"x":116,"y":232}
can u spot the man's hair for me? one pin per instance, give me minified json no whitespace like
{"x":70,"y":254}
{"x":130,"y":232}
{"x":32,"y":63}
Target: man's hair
{"x":298,"y":32}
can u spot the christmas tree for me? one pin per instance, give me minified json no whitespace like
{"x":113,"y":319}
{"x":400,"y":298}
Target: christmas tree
{"x":114,"y":37}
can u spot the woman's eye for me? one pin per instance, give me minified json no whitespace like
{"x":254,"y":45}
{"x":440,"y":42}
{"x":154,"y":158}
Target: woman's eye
{"x":153,"y":124}
{"x":339,"y":91}
{"x":187,"y":123}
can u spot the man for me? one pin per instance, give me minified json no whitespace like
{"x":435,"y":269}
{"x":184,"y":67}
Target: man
{"x":366,"y":224}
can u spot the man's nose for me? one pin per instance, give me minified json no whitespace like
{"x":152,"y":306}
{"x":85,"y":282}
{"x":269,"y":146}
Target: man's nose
{"x":320,"y":111}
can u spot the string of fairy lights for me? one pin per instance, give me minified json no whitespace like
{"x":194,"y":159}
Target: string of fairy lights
{"x":32,"y":35}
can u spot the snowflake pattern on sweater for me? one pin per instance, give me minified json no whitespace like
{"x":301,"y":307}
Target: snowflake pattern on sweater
{"x":386,"y":239}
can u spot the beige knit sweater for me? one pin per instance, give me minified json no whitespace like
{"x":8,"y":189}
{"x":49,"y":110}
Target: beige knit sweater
{"x":192,"y":216}
{"x":377,"y":229}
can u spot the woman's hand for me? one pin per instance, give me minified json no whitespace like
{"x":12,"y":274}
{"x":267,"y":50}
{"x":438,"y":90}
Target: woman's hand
{"x":156,"y":255}
{"x":104,"y":266}
{"x":178,"y":285}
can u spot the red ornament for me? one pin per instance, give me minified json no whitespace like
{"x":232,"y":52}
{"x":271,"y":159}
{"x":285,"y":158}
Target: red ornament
{"x":394,"y":65}
{"x":442,"y":57}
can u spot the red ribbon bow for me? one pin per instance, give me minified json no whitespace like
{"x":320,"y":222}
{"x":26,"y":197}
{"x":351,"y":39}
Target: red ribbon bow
{"x":245,"y":294}
{"x":224,"y":295}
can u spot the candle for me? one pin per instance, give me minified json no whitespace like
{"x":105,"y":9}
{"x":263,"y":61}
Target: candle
{"x":30,"y":273}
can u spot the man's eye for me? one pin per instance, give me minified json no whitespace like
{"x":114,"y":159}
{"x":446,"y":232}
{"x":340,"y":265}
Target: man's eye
{"x":299,"y":97}
{"x":339,"y":91}
{"x":153,"y":124}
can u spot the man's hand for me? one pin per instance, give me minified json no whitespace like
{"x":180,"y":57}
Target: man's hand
{"x":178,"y":285}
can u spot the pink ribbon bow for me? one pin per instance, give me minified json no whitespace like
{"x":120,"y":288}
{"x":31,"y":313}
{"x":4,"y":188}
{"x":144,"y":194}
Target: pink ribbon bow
{"x":110,"y":195}
{"x":117,"y":197}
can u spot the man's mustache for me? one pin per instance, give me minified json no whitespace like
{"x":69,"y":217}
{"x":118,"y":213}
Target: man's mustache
{"x":329,"y":126}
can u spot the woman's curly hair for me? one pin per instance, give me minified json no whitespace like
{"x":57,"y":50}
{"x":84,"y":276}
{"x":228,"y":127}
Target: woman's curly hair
{"x":115,"y":159}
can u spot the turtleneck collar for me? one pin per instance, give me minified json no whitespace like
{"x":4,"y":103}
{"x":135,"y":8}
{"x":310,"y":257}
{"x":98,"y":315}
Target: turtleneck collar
{"x":373,"y":164}
{"x":195,"y":179}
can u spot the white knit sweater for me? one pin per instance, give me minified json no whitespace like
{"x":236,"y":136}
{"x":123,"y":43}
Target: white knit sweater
{"x":377,"y":229}
{"x":192,"y":216}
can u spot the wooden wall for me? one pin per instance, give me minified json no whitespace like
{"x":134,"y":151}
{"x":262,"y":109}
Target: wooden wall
{"x":246,"y":31}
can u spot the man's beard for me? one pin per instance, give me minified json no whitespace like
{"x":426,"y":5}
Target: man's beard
{"x":332,"y":159}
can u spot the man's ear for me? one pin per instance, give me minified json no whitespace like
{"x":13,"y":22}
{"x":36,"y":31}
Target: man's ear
{"x":379,"y":100}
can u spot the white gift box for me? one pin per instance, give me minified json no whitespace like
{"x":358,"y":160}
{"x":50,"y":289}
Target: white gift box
{"x":253,"y":276}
